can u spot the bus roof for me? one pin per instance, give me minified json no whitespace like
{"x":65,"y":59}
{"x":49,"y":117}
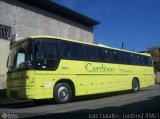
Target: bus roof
{"x":76,"y":41}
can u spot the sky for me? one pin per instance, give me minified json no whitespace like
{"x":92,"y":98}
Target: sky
{"x":134,"y":22}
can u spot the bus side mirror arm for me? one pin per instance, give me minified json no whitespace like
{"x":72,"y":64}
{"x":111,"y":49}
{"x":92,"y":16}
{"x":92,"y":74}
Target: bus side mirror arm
{"x":7,"y":61}
{"x":13,"y":39}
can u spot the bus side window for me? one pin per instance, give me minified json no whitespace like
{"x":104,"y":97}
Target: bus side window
{"x":76,"y":51}
{"x":143,"y":61}
{"x":98,"y":54}
{"x":107,"y":55}
{"x":135,"y":59}
{"x":52,"y":51}
{"x":115,"y":55}
{"x":47,"y":56}
{"x":66,"y":50}
{"x":150,"y":61}
{"x":88,"y":53}
{"x":138,"y":60}
{"x":128,"y":58}
{"x":121,"y":57}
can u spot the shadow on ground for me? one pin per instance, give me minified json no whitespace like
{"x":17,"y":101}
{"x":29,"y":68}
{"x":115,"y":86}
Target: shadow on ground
{"x":26,"y":104}
{"x":152,"y":105}
{"x":150,"y":108}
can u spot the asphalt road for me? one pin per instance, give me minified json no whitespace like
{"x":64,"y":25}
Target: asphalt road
{"x":144,"y":104}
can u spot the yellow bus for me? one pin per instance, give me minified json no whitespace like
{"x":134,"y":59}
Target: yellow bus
{"x":45,"y":67}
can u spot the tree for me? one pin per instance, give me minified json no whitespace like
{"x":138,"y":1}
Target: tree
{"x":155,"y":52}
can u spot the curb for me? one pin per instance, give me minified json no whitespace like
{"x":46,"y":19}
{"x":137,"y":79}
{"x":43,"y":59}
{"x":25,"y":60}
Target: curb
{"x":7,"y":101}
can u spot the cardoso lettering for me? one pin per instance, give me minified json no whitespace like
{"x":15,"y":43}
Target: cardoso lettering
{"x":102,"y":68}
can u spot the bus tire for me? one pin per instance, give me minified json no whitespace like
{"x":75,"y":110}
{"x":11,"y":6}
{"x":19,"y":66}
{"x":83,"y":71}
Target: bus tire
{"x":62,"y":93}
{"x":135,"y":85}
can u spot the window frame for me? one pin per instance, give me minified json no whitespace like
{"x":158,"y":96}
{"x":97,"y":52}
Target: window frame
{"x":80,"y":51}
{"x":48,"y":41}
{"x":5,"y":32}
{"x":91,"y":48}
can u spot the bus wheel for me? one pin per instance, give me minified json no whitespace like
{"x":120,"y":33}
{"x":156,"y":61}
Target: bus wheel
{"x":135,"y":85}
{"x":62,"y":93}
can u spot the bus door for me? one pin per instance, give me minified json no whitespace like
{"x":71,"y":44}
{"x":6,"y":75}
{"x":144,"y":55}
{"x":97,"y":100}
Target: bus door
{"x":47,"y":62}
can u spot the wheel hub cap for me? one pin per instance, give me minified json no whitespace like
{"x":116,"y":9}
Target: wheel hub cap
{"x":63,"y":93}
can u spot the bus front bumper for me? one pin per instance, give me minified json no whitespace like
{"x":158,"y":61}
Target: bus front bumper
{"x":20,"y":93}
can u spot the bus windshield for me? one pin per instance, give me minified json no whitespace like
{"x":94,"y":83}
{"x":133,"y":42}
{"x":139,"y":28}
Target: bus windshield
{"x":21,"y":56}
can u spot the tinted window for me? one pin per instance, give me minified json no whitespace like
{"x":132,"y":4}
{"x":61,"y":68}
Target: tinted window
{"x":47,"y":51}
{"x":108,"y":55}
{"x":47,"y":56}
{"x":98,"y":54}
{"x":66,"y":50}
{"x":148,"y":61}
{"x":115,"y":56}
{"x":76,"y":51}
{"x":128,"y":58}
{"x":88,"y":52}
{"x":143,"y":61}
{"x":135,"y":59}
{"x":122,"y":57}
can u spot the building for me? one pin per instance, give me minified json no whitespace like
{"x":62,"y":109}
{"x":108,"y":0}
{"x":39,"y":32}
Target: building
{"x":39,"y":17}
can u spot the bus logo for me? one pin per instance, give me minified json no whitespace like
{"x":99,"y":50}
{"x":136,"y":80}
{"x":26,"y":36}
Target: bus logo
{"x":102,"y":68}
